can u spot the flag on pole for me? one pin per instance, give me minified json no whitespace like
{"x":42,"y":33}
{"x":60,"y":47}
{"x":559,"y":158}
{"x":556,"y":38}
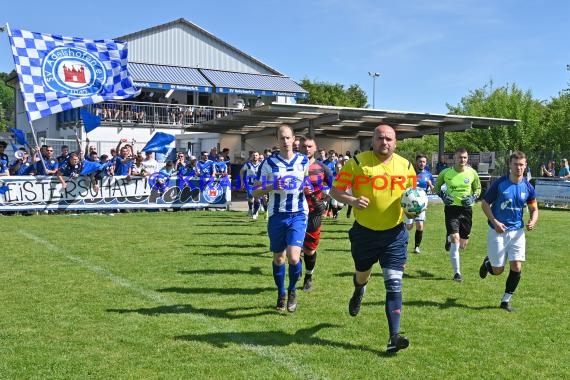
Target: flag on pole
{"x":59,"y":73}
{"x":19,"y":136}
{"x":159,"y":143}
{"x":90,"y":121}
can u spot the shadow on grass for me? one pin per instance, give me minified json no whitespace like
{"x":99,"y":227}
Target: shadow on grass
{"x":274,"y":339}
{"x":226,"y":223}
{"x":252,"y":270}
{"x":424,"y":275}
{"x":230,"y":313}
{"x":420,"y":275}
{"x":236,"y":245}
{"x":242,"y":291}
{"x":210,"y":233}
{"x":262,"y":254}
{"x":450,"y":303}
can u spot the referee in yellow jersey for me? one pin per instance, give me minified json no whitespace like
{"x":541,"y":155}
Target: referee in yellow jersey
{"x":377,"y":179}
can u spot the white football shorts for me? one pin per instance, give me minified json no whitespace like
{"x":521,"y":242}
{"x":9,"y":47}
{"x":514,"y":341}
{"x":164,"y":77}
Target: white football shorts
{"x":509,"y":244}
{"x":420,"y":218}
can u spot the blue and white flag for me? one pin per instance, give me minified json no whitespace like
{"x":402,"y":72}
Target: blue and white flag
{"x":58,"y":73}
{"x":159,"y":143}
{"x":19,"y":136}
{"x":90,"y":121}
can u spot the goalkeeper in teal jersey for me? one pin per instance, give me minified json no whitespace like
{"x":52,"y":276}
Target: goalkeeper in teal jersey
{"x":463,"y":188}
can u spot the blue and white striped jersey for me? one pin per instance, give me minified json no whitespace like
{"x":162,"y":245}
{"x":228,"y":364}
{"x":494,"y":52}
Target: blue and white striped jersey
{"x":292,"y":173}
{"x":251,"y":171}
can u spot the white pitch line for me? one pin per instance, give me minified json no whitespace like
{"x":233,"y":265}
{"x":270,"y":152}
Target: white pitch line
{"x":275,"y":355}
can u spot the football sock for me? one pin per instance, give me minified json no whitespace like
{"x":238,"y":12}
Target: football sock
{"x":418,"y":238}
{"x":249,"y":206}
{"x":310,"y":262}
{"x":512,"y":282}
{"x":393,"y":306}
{"x":295,"y":271}
{"x":454,"y":257}
{"x":393,"y":310}
{"x":256,"y":205}
{"x":279,"y":277}
{"x":358,"y":286}
{"x":507,"y":297}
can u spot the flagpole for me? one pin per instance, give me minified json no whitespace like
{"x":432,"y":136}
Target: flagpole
{"x":38,"y":146}
{"x":7,"y":28}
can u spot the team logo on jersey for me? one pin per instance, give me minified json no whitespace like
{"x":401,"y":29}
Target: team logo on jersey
{"x":74,"y":71}
{"x":506,"y":204}
{"x":465,"y":180}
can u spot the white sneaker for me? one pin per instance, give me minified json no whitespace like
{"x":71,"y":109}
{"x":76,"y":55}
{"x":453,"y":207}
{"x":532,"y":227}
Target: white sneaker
{"x":417,"y":250}
{"x":254,"y":216}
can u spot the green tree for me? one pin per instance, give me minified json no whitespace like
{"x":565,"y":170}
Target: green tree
{"x":7,"y":103}
{"x":329,"y":94}
{"x":507,"y":102}
{"x":556,"y":125}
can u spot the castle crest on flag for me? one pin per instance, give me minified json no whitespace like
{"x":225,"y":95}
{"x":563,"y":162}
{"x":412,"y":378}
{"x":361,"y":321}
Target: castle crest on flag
{"x":74,"y":71}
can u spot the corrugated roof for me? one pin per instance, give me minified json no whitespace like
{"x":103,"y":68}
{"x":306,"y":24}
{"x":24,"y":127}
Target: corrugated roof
{"x":342,"y":122}
{"x":174,"y":75}
{"x":254,"y":84}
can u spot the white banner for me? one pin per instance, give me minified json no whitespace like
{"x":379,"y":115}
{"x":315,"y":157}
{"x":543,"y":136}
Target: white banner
{"x":19,"y":193}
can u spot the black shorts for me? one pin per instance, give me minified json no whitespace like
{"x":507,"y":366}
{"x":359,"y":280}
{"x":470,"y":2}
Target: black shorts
{"x":458,"y":219}
{"x":389,"y":247}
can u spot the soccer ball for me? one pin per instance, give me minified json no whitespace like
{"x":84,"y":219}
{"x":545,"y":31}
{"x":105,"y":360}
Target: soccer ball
{"x":414,"y":201}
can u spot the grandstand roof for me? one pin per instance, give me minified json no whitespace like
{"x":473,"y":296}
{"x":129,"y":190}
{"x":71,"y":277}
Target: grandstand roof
{"x":342,"y":122}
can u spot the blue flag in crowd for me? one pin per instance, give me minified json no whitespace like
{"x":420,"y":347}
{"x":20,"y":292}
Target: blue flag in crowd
{"x":159,"y":143}
{"x":90,"y":167}
{"x":19,"y":136}
{"x":59,"y":73}
{"x":93,"y":166}
{"x":90,"y":121}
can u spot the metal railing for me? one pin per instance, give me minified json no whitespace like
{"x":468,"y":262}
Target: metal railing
{"x":153,"y":114}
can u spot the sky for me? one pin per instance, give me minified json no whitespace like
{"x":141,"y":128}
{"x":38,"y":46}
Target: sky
{"x":428,"y":53}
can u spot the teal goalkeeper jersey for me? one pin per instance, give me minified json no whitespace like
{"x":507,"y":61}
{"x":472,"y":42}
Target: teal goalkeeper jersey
{"x":459,"y":184}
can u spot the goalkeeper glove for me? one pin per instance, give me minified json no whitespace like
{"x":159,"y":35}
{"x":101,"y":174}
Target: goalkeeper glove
{"x":447,"y":198}
{"x":468,"y":200}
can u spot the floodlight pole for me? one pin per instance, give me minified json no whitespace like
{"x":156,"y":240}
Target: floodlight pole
{"x":374,"y":75}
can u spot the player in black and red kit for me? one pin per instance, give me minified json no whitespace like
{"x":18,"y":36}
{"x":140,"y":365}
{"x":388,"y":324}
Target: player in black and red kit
{"x":321,"y":178}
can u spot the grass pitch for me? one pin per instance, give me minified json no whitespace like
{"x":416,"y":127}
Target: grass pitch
{"x":191,"y":295}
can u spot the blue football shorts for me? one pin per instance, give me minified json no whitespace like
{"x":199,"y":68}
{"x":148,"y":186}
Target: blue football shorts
{"x":286,"y":229}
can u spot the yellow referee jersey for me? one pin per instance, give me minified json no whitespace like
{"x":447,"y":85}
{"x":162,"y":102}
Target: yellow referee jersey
{"x":383,"y":184}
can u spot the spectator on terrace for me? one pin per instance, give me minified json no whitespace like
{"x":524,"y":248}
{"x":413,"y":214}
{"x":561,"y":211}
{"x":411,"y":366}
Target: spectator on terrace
{"x":564,"y":171}
{"x":70,"y":169}
{"x":22,"y":166}
{"x":50,"y":165}
{"x":150,"y":165}
{"x":548,"y":170}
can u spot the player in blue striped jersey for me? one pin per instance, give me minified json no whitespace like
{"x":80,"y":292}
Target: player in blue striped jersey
{"x":248,"y":175}
{"x":282,"y":176}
